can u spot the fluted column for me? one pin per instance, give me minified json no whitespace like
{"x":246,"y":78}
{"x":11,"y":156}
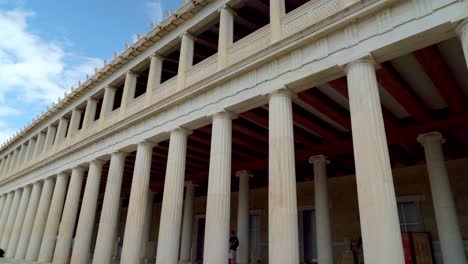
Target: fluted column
{"x":243,"y":217}
{"x":147,"y":226}
{"x":322,"y":214}
{"x":14,"y":160}
{"x":282,"y":206}
{"x":187,"y":224}
{"x":61,"y":131}
{"x":185,"y":59}
{"x":40,"y":219}
{"x":39,"y":145}
{"x":8,"y":164}
{"x":29,"y":217}
{"x":107,"y":103}
{"x":3,"y":165}
{"x":70,"y":210}
{"x":11,"y":219}
{"x":277,"y":11}
{"x":49,"y":140}
{"x":107,"y":232}
{"x":21,"y":154}
{"x":2,"y":203}
{"x":451,"y":241}
{"x":462,"y":30}
{"x":30,"y":151}
{"x":90,"y":113}
{"x":380,"y":226}
{"x":154,"y":77}
{"x":74,"y":122}
{"x":219,"y":191}
{"x":226,"y":35}
{"x":18,"y":222}
{"x":171,"y":210}
{"x":53,"y":219}
{"x":137,"y":204}
{"x":5,"y":212}
{"x":128,"y":90}
{"x":84,"y":230}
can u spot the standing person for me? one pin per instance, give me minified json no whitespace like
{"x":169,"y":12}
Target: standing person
{"x":233,"y":244}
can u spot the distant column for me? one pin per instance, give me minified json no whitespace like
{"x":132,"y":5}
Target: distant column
{"x":462,"y":30}
{"x":147,"y":226}
{"x":84,"y":230}
{"x":19,"y":219}
{"x":21,"y":155}
{"x":451,"y":241}
{"x":14,"y":160}
{"x":70,"y":210}
{"x":11,"y":219}
{"x":53,"y":219}
{"x":39,"y":145}
{"x":277,"y":11}
{"x":29,"y":152}
{"x":137,"y":205}
{"x":61,"y":131}
{"x":108,"y":224}
{"x":154,"y":77}
{"x":128,"y":90}
{"x":90,"y":113}
{"x":185,"y":59}
{"x":49,"y":140}
{"x":107,"y":102}
{"x":74,"y":122}
{"x":243,"y":217}
{"x":2,"y":203}
{"x":29,"y":217}
{"x":171,"y":210}
{"x":226,"y":36}
{"x":218,"y":204}
{"x":5,"y":212}
{"x":322,"y":214}
{"x":187,"y":224}
{"x":40,"y":220}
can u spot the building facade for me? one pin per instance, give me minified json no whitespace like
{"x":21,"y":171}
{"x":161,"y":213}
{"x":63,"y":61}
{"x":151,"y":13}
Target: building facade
{"x":313,"y":129}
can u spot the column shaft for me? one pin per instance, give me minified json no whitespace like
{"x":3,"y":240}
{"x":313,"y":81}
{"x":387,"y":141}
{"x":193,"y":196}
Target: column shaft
{"x":21,"y":154}
{"x":154,"y":77}
{"x":185,"y":59}
{"x":128,"y":91}
{"x":462,"y":31}
{"x":53,"y":219}
{"x":2,"y":203}
{"x":282,"y":205}
{"x":277,"y":11}
{"x":11,"y":219}
{"x":107,"y":102}
{"x":27,"y":227}
{"x":137,"y":204}
{"x":39,"y":145}
{"x":451,"y":241}
{"x":74,"y":122}
{"x":50,"y":137}
{"x":243,"y":218}
{"x":380,"y":226}
{"x":40,"y":220}
{"x":226,"y":36}
{"x":14,"y":160}
{"x":18,"y":224}
{"x":110,"y":210}
{"x":30,"y":151}
{"x":219,"y":191}
{"x":90,"y":113}
{"x":84,"y":230}
{"x":171,"y":211}
{"x":61,"y":131}
{"x":70,"y":210}
{"x":5,"y":212}
{"x":322,"y":214}
{"x":187,"y":224}
{"x":147,"y":226}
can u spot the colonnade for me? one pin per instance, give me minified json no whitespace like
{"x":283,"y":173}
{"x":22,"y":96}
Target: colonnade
{"x":53,"y":202}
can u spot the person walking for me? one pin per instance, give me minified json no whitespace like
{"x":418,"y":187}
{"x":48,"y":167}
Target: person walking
{"x":233,"y":245}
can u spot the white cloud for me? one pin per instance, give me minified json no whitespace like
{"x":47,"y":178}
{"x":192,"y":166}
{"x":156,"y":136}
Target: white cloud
{"x":154,"y":10}
{"x":33,"y":71}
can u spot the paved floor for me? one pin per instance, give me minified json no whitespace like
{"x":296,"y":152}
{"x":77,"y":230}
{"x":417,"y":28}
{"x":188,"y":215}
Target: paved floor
{"x":15,"y":261}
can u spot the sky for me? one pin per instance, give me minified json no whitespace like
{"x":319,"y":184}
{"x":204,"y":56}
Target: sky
{"x":47,"y":46}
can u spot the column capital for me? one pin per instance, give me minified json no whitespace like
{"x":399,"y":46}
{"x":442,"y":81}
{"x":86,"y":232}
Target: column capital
{"x":156,"y":55}
{"x":132,"y":72}
{"x":319,"y":159}
{"x":76,"y":109}
{"x":188,"y":34}
{"x":63,"y":174}
{"x":434,"y":136}
{"x":462,"y":27}
{"x":229,"y":9}
{"x":90,"y":99}
{"x":225,"y":114}
{"x":110,"y":87}
{"x":98,"y":161}
{"x":368,"y":59}
{"x":190,"y":184}
{"x":282,"y":92}
{"x":244,"y":173}
{"x":63,"y":118}
{"x":120,"y":153}
{"x":147,"y":143}
{"x":182,"y":130}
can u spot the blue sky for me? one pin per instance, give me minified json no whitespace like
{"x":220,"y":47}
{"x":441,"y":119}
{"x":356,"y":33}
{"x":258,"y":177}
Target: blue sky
{"x":47,"y":46}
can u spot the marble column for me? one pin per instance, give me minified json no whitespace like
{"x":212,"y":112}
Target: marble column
{"x":154,"y":77}
{"x":50,"y":137}
{"x":171,"y":210}
{"x":218,"y":205}
{"x":322,"y":207}
{"x":147,"y":227}
{"x":30,"y":151}
{"x":74,"y":122}
{"x":3,"y":165}
{"x":380,"y":226}
{"x":61,"y":131}
{"x":18,"y":224}
{"x":185,"y":59}
{"x":2,"y":203}
{"x":84,"y":230}
{"x":20,"y":159}
{"x":226,"y":36}
{"x":277,"y":11}
{"x":40,"y":220}
{"x":39,"y":145}
{"x":107,"y":102}
{"x":462,"y":30}
{"x":11,"y":219}
{"x":14,"y":160}
{"x":137,"y":205}
{"x":451,"y":241}
{"x":5,"y":212}
{"x":187,"y":224}
{"x":128,"y":90}
{"x":243,"y":217}
{"x":49,"y":238}
{"x":70,"y":210}
{"x":282,"y":205}
{"x":108,"y":223}
{"x":26,"y":228}
{"x":90,"y":113}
